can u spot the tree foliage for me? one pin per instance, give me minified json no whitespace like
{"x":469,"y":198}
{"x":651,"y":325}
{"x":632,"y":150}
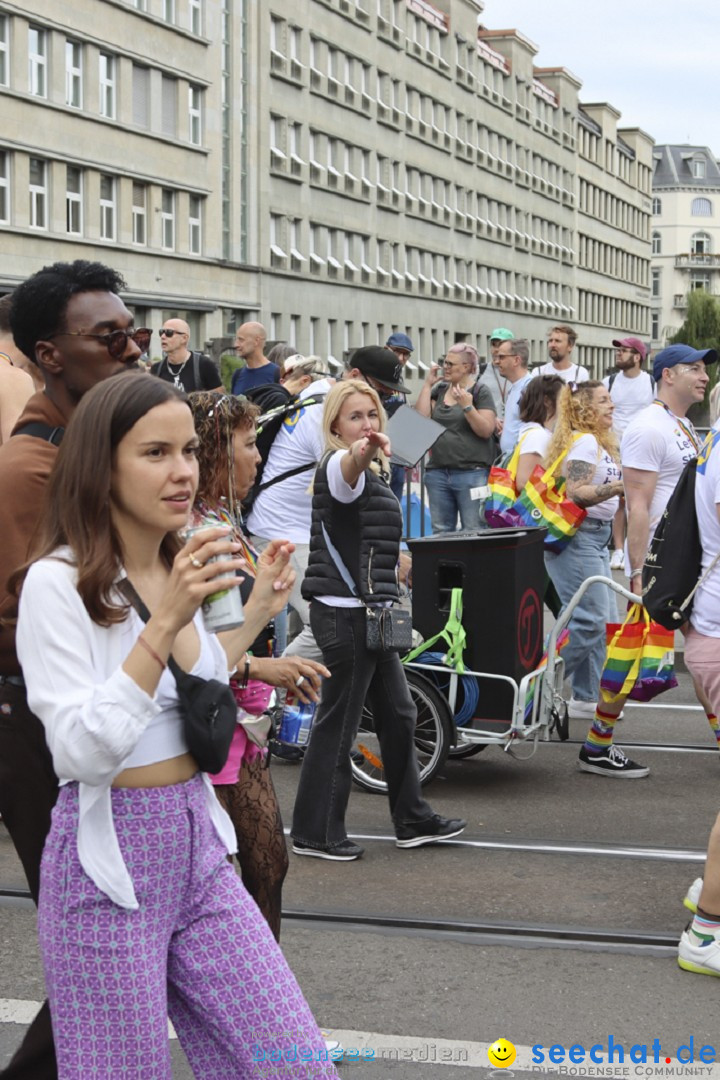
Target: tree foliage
{"x":701,"y":330}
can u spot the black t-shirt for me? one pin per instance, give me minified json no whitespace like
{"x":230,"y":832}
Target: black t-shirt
{"x":209,"y":377}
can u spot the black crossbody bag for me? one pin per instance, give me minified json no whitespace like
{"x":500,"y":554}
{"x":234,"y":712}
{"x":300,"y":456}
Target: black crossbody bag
{"x":388,"y":629}
{"x":208,"y":706}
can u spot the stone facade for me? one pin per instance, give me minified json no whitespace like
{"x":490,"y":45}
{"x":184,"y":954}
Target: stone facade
{"x":338,"y":169}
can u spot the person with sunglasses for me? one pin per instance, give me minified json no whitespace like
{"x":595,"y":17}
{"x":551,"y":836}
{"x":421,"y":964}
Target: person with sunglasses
{"x":185,"y":369}
{"x":70,"y":320}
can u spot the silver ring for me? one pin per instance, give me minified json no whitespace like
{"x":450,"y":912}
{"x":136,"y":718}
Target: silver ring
{"x":299,"y":680}
{"x":196,"y":562}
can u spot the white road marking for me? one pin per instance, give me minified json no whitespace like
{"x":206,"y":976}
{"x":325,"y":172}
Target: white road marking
{"x":458,"y":1053}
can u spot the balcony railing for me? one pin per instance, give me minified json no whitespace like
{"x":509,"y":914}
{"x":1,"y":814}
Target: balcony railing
{"x":686,"y":261}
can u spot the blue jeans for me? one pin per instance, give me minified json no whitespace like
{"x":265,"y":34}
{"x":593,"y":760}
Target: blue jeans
{"x":449,"y":495}
{"x":325,"y":779}
{"x":585,"y":556}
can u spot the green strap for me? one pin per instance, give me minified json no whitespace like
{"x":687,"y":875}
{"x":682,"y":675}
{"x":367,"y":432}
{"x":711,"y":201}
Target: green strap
{"x":453,"y":634}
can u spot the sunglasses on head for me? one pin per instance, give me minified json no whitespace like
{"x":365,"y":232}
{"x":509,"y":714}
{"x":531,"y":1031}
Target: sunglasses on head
{"x":169,"y":333}
{"x":116,"y":341}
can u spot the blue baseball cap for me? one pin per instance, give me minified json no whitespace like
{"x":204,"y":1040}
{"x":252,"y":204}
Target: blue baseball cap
{"x":680,"y":354}
{"x":400,"y":341}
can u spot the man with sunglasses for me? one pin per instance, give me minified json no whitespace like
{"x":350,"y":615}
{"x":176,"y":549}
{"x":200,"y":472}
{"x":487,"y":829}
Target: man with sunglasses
{"x":181,"y":366}
{"x":69,"y":319}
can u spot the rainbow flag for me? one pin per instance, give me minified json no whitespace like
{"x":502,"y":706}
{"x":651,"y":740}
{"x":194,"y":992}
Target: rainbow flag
{"x":503,"y":493}
{"x":639,"y":662}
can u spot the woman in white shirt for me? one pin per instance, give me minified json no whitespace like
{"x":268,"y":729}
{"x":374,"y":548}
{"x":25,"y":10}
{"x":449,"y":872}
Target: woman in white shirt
{"x":593,"y":480}
{"x":538,"y":409}
{"x":140,"y":914}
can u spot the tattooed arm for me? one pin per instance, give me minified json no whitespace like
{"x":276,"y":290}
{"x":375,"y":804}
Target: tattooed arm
{"x":582,"y":491}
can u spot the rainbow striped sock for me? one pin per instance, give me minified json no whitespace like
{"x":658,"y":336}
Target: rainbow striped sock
{"x":705,"y":927}
{"x":713,"y":722}
{"x":600,"y":734}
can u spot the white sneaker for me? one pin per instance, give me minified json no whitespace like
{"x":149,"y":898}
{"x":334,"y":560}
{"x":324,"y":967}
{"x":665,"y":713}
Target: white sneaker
{"x":617,"y":559}
{"x":692,"y":897}
{"x":581,"y":710}
{"x":700,"y":959}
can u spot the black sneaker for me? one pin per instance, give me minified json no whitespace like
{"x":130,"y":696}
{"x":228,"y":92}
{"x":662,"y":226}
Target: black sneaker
{"x":428,"y":832}
{"x":612,"y":762}
{"x":345,"y":851}
{"x":286,"y":752}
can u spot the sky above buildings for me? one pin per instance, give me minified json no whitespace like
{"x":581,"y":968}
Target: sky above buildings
{"x":656,"y":61}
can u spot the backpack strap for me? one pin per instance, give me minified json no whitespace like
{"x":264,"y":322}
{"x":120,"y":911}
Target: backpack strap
{"x":284,"y":476}
{"x":52,"y":435}
{"x":196,"y":369}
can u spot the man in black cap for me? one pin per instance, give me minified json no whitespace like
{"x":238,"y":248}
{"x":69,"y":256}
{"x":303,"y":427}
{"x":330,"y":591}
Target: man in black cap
{"x":379,"y":367}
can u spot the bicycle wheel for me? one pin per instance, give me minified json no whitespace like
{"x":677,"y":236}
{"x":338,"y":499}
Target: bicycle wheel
{"x":432,"y":738}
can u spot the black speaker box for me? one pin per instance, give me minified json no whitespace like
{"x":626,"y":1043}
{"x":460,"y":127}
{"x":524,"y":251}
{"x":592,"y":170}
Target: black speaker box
{"x":502,"y":575}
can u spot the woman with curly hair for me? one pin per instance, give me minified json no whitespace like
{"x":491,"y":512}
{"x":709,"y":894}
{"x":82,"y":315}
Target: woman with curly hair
{"x":228,"y":459}
{"x":583,"y":431}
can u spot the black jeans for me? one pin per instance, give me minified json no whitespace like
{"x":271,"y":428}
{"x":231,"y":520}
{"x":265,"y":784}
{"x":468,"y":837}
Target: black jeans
{"x":324,"y":788}
{"x":28,"y":790}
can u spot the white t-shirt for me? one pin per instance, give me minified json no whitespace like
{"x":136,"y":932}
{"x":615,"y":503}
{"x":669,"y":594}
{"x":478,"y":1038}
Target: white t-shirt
{"x":706,"y":606}
{"x":96,"y":718}
{"x":285,"y":509}
{"x":535,"y":439}
{"x":574,"y":373}
{"x":511,"y":427}
{"x":658,"y":441}
{"x":629,"y":396}
{"x":607,"y":471}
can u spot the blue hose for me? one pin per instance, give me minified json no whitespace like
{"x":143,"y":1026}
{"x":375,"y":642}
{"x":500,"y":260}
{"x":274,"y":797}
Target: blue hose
{"x":470,"y":692}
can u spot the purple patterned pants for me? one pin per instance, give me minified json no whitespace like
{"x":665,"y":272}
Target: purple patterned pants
{"x":197,"y":950}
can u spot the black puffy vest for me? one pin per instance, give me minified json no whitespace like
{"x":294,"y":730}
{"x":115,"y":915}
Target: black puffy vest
{"x":367,"y":535}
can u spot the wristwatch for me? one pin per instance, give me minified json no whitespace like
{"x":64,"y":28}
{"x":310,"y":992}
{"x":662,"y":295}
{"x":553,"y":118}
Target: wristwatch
{"x":467,"y":408}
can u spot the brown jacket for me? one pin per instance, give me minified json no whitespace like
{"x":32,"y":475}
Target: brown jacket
{"x":25,"y":465}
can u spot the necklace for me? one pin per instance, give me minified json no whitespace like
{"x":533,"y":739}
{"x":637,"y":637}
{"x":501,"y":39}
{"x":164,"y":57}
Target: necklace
{"x":176,"y":374}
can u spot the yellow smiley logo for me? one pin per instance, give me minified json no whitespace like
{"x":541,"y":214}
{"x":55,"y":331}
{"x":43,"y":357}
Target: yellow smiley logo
{"x":501,"y":1054}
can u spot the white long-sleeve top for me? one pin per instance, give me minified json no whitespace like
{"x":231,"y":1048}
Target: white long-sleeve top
{"x":97,"y":720}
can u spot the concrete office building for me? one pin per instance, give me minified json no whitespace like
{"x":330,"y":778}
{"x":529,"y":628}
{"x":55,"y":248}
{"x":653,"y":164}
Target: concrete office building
{"x":685,"y":233}
{"x":337,"y":168}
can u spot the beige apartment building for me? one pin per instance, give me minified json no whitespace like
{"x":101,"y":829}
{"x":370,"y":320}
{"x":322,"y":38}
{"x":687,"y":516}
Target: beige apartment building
{"x":338,"y":169}
{"x":685,"y":233}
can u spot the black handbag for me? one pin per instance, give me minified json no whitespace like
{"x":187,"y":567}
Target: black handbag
{"x":387,"y":629}
{"x":207,"y":706}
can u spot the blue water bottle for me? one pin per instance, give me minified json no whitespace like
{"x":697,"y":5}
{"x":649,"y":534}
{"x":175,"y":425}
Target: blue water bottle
{"x":296,"y":722}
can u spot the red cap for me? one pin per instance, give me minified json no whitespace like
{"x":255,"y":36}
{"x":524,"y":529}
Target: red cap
{"x":632,"y":343}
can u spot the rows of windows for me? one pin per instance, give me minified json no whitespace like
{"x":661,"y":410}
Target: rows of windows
{"x":701,"y":207}
{"x":93,"y":206}
{"x":338,"y":165}
{"x":604,"y":258}
{"x":191,"y":19}
{"x":347,"y":78}
{"x":351,"y":82}
{"x":78,"y":55}
{"x":353,"y":257}
{"x":597,"y":309}
{"x":603,"y":205}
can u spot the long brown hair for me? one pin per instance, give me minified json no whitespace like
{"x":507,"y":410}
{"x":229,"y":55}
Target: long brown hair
{"x":77,"y":510}
{"x":217,"y":417}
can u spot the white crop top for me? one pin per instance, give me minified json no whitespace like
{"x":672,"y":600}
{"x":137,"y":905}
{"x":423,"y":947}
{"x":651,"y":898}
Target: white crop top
{"x":97,"y":720}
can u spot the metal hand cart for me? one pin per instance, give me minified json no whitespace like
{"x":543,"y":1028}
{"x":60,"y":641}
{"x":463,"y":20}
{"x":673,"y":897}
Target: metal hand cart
{"x":538,"y":709}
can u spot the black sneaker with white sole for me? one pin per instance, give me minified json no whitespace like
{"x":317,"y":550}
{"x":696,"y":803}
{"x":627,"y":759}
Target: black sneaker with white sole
{"x":612,"y":762}
{"x":345,"y":851}
{"x":430,"y":831}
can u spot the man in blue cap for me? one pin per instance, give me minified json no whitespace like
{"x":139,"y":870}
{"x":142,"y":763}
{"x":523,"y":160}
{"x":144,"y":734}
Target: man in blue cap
{"x":658,"y":442}
{"x":401,"y":345}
